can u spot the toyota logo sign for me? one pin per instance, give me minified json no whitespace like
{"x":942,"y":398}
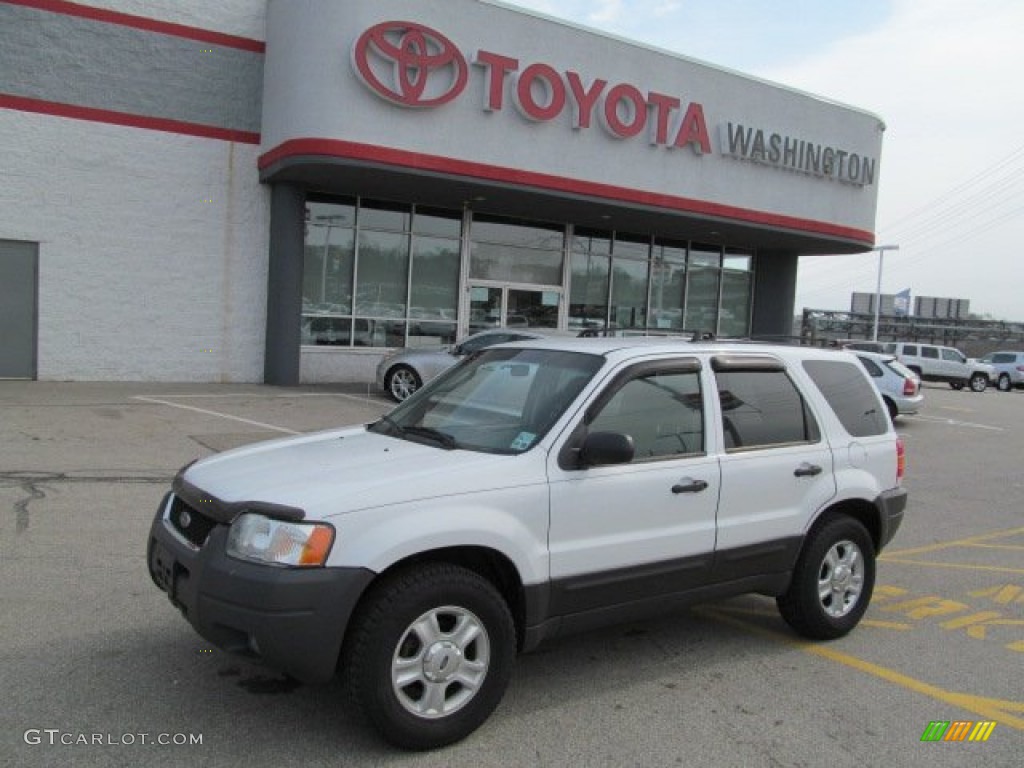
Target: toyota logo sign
{"x":409,"y":64}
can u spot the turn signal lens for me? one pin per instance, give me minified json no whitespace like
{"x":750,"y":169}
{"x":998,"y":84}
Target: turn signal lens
{"x":901,"y":459}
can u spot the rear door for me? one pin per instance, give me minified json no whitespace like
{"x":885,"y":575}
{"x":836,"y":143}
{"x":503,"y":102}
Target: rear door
{"x":776,"y":467}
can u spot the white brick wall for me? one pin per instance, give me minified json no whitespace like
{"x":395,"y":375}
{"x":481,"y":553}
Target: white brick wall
{"x":245,"y":18}
{"x":153,"y":249}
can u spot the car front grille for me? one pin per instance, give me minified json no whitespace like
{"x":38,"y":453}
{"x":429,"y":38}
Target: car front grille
{"x":190,"y":522}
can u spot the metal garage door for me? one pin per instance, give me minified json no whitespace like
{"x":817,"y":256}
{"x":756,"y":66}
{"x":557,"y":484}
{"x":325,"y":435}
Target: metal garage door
{"x":19,"y":283}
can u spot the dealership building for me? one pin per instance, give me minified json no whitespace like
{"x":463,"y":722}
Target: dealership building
{"x":282,"y":191}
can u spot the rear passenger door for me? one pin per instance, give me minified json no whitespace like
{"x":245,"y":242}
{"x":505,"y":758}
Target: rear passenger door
{"x":776,"y":467}
{"x":633,"y":531}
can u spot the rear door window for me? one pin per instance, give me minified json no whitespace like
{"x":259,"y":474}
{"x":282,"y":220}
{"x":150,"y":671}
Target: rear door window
{"x":762,"y":408}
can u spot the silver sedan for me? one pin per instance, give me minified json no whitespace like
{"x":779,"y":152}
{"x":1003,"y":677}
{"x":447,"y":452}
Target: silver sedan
{"x":405,"y":370}
{"x":899,"y":386}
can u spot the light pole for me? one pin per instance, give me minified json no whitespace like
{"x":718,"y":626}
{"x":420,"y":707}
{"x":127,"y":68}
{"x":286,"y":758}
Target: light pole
{"x":878,"y":289}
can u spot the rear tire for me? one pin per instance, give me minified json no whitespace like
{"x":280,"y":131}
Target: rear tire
{"x":401,"y":381}
{"x":430,"y":654}
{"x":832,"y":582}
{"x":957,"y":385}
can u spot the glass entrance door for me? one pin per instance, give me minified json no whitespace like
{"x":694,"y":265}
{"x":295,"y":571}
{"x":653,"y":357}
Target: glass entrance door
{"x":506,"y":306}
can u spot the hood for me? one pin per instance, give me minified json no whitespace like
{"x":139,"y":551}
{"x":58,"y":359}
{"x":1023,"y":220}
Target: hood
{"x":338,"y":471}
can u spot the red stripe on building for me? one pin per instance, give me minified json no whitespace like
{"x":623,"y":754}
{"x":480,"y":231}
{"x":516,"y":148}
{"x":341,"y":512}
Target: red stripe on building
{"x":414,"y":160}
{"x":75,"y":112}
{"x":144,"y":23}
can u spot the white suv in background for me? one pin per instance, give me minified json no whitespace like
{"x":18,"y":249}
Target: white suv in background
{"x":1008,"y":367}
{"x":534,"y":490}
{"x":932,"y":362}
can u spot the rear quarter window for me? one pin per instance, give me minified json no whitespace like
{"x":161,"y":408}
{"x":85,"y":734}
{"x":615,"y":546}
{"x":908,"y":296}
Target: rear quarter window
{"x":851,"y":396}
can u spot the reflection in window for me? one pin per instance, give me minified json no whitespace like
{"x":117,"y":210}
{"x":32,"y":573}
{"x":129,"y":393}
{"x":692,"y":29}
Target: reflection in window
{"x":702,"y":289}
{"x":737,"y":285}
{"x":370,"y":266}
{"x":514,"y":251}
{"x":763,"y":408}
{"x":661,"y":411}
{"x":630,"y":262}
{"x":591,"y":262}
{"x":668,"y":284}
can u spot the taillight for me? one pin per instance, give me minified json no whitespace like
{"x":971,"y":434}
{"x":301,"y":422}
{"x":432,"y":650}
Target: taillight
{"x":909,"y":387}
{"x":1020,"y":368}
{"x":901,"y":459}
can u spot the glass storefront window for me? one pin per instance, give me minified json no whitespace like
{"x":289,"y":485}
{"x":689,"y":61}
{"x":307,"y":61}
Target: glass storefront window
{"x":668,"y":284}
{"x":590,"y":264}
{"x":588,"y":297}
{"x":437,"y":222}
{"x":705,"y":264}
{"x":630,"y":262}
{"x":380,"y":274}
{"x":362,"y":274}
{"x":390,"y":217}
{"x":329,"y":256}
{"x":734,"y":316}
{"x":509,"y":250}
{"x":383,"y":274}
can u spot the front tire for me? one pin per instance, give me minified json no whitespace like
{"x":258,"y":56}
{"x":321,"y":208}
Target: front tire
{"x":979,"y":382}
{"x":957,"y":385}
{"x":1004,"y":383}
{"x":430,"y":655}
{"x":832,"y":582}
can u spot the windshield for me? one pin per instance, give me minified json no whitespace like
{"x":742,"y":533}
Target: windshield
{"x":495,"y":401}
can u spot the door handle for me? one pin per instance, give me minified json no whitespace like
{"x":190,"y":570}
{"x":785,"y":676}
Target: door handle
{"x":807,"y":470}
{"x":689,"y":485}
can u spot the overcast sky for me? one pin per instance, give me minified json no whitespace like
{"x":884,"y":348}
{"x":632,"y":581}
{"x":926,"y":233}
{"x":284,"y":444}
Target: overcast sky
{"x":945,"y":77}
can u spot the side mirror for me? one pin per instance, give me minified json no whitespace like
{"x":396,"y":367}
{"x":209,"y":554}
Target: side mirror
{"x":603,"y":448}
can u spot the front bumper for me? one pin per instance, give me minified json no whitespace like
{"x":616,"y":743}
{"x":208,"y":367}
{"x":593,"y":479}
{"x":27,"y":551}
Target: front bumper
{"x":890,"y":505}
{"x":293,"y":619}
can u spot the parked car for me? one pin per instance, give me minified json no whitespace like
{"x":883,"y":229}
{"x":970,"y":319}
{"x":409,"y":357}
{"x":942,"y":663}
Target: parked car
{"x":535,"y":490}
{"x":932,"y":362}
{"x":899,"y":386}
{"x":862,"y":346}
{"x":405,"y":370}
{"x":1008,"y":369}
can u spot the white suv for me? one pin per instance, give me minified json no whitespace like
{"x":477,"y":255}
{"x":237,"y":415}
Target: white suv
{"x":932,"y":362}
{"x":536,"y":489}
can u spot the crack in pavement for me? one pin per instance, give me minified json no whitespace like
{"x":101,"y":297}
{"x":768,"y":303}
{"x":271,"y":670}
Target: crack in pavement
{"x":35,"y":484}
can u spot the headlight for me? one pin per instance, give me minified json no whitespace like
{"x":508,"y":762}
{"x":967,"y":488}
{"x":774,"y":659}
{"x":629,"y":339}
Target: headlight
{"x":265,"y":540}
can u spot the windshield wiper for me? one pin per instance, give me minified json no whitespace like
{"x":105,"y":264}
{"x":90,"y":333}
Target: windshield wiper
{"x":446,"y":441}
{"x":386,"y":419}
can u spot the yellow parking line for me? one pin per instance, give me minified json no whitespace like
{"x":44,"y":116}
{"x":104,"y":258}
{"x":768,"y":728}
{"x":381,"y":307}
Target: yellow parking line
{"x":955,"y":566}
{"x":1011,"y":547}
{"x":955,"y":543}
{"x":900,"y":625}
{"x":990,"y":709}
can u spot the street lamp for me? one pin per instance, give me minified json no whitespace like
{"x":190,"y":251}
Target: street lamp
{"x":878,"y":289}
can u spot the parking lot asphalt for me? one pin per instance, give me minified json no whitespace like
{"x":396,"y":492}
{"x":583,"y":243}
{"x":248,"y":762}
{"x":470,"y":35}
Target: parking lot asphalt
{"x":99,"y":669}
